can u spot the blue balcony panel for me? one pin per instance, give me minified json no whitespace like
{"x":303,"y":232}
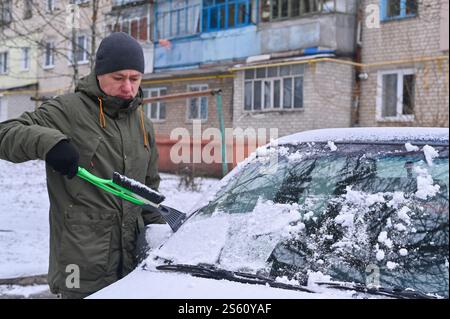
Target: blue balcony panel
{"x":331,"y":31}
{"x":209,"y":47}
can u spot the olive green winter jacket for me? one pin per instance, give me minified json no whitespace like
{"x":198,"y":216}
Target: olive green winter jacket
{"x":89,"y":228}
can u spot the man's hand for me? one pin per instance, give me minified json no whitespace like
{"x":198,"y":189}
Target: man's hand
{"x":150,"y":215}
{"x":63,"y":158}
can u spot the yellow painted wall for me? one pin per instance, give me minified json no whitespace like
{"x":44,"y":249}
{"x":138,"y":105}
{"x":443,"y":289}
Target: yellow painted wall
{"x":16,"y":77}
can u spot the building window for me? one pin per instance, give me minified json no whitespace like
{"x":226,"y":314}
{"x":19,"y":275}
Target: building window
{"x":225,"y":14}
{"x":81,"y":50}
{"x":79,"y":1}
{"x":274,"y":88}
{"x":286,"y":9}
{"x":137,"y":28}
{"x":134,"y":29}
{"x":396,"y":95}
{"x":50,"y":6}
{"x":25,"y":59}
{"x":123,"y":2}
{"x":3,"y":62}
{"x":177,"y":18}
{"x":27,"y":9}
{"x":3,"y":109}
{"x":5,"y":12}
{"x":197,"y":106}
{"x":156,"y":110}
{"x":398,"y":9}
{"x":49,"y":55}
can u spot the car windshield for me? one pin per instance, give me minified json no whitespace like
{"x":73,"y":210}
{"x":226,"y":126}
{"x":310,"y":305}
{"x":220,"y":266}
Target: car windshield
{"x":374,"y":214}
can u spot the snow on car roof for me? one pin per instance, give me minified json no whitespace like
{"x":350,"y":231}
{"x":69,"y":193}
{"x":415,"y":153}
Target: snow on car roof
{"x":368,"y":134}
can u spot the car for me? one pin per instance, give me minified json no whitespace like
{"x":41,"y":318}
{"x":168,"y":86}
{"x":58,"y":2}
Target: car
{"x":331,"y":213}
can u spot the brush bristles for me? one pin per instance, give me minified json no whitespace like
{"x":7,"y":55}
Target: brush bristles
{"x":172,"y":216}
{"x":138,"y":188}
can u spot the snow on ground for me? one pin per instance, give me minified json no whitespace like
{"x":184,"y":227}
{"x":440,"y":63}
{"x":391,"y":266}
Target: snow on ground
{"x":23,"y":291}
{"x":24,"y":205}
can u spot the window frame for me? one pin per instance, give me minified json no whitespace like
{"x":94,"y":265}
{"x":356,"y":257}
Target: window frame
{"x":320,"y":9}
{"x":6,"y":12}
{"x":206,"y":23}
{"x":400,"y":117}
{"x":118,"y":3}
{"x":85,"y":50}
{"x":3,"y":108}
{"x":148,"y":106}
{"x":25,"y":59}
{"x":384,"y":6}
{"x":142,"y":27}
{"x":4,"y":57}
{"x":50,"y":6}
{"x":201,"y":87}
{"x":161,"y":15}
{"x":51,"y":56}
{"x":272,"y":79}
{"x":79,"y":2}
{"x":27,"y":10}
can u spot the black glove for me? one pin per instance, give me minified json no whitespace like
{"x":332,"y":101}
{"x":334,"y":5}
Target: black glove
{"x":63,"y":158}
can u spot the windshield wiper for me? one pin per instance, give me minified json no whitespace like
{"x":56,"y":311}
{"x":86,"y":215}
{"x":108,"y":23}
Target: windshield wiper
{"x":398,"y":293}
{"x":209,"y":271}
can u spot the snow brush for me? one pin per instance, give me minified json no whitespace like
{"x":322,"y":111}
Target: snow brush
{"x":136,"y":193}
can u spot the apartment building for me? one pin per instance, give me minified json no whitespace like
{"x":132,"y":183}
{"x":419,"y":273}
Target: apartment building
{"x":18,"y":54}
{"x":404,"y":81}
{"x":279,"y":64}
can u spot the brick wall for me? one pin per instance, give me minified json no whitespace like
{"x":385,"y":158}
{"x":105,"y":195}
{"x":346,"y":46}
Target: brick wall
{"x":407,"y":39}
{"x":176,"y":110}
{"x":327,"y":94}
{"x":176,"y":117}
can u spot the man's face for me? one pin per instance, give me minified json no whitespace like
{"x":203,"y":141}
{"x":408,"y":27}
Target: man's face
{"x":123,"y":84}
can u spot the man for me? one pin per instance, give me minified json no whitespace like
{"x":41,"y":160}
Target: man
{"x":101,"y":127}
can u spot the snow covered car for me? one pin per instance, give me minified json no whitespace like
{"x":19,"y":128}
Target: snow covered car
{"x":333,"y":213}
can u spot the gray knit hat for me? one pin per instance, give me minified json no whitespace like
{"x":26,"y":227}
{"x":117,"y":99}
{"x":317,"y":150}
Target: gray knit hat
{"x":119,"y":51}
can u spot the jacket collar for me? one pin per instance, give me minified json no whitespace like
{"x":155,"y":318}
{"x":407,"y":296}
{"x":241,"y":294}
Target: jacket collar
{"x":113,"y":106}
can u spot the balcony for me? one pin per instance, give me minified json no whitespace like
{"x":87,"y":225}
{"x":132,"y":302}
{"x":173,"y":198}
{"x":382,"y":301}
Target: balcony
{"x":120,"y":3}
{"x":209,"y":32}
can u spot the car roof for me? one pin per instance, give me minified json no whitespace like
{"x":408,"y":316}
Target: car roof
{"x":370,"y":134}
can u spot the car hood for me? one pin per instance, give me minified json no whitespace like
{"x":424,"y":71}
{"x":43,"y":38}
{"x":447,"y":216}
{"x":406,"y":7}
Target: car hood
{"x":150,"y":284}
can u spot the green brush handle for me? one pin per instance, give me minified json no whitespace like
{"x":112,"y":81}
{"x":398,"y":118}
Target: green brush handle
{"x":109,"y":186}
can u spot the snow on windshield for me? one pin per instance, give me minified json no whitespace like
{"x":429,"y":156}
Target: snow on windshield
{"x":233,"y":241}
{"x":321,"y":209}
